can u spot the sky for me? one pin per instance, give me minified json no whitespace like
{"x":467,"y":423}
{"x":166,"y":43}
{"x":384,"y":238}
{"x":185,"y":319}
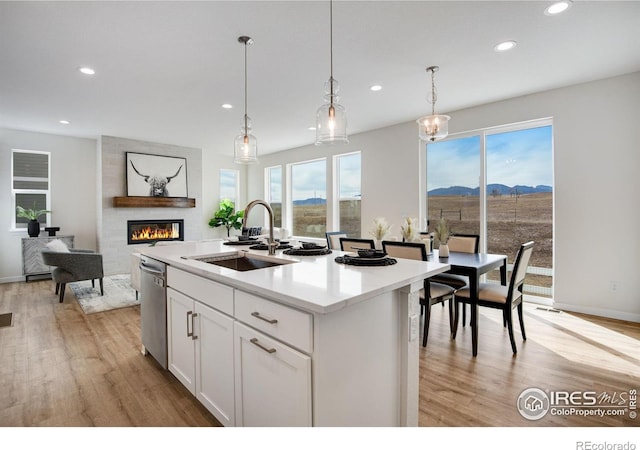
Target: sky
{"x":521,"y":157}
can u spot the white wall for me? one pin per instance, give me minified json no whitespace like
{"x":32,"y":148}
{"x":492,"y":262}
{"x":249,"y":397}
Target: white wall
{"x":73,"y":192}
{"x":596,"y":162}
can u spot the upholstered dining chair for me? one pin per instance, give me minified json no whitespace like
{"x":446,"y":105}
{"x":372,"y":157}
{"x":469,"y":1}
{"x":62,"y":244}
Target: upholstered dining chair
{"x":333,"y":239}
{"x":463,"y":243}
{"x":505,"y":298}
{"x":74,"y":265}
{"x":348,"y":244}
{"x":431,"y":293}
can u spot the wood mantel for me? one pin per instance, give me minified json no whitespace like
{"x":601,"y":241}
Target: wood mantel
{"x":154,"y":202}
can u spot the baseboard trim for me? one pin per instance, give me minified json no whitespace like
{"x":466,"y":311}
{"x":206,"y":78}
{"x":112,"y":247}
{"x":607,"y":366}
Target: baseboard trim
{"x":601,"y":312}
{"x":12,"y":279}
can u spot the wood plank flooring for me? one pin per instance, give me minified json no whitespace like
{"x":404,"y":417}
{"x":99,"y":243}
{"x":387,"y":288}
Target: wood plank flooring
{"x":60,"y":367}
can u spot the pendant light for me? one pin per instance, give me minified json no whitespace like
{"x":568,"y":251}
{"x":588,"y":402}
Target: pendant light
{"x":246,"y":145}
{"x":434,"y":127}
{"x":331,"y":120}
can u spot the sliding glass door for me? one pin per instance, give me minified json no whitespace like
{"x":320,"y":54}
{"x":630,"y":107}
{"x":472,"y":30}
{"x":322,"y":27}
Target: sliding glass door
{"x":498,"y":183}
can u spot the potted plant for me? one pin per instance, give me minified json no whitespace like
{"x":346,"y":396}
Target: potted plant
{"x":33,"y":227}
{"x":409,"y":230}
{"x":380,"y":230}
{"x":227,"y":216}
{"x":442,"y":233}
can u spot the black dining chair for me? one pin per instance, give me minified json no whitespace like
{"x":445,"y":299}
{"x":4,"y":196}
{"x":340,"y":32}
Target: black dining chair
{"x":505,"y":298}
{"x":333,"y":239}
{"x":463,"y":243}
{"x":431,"y":293}
{"x":348,"y":244}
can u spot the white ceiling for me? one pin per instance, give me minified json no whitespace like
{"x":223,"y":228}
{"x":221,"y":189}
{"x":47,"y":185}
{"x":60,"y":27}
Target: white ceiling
{"x":164,"y":68}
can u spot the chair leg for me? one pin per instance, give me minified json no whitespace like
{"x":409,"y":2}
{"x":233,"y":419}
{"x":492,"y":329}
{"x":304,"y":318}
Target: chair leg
{"x":101,"y":287}
{"x":450,"y":316}
{"x":427,"y":317}
{"x":456,"y":314}
{"x":62,"y":286}
{"x":57,"y":288}
{"x":93,"y":283}
{"x":464,"y":314}
{"x":524,"y":336}
{"x":507,"y":316}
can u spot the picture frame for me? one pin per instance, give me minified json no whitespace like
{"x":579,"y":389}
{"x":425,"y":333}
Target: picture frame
{"x":156,"y":175}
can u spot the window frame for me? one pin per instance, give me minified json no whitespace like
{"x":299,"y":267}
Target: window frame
{"x":289,"y":194}
{"x":13,"y":226}
{"x":335,"y":222}
{"x":267,"y":191}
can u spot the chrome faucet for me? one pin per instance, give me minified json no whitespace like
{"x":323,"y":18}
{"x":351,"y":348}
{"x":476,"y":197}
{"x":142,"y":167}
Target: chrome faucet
{"x":272,"y":243}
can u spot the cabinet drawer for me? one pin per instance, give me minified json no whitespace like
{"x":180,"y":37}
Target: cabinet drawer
{"x":209,"y":292}
{"x":282,"y":322}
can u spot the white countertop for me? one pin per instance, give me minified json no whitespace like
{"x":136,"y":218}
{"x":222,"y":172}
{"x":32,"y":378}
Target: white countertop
{"x":313,"y":283}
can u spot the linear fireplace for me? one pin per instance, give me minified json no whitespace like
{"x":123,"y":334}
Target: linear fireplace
{"x":144,"y":231}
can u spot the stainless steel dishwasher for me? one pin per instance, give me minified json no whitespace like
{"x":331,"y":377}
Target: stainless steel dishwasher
{"x":153,"y":308}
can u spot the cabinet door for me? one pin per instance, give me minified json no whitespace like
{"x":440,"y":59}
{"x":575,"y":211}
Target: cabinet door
{"x":273,"y":381}
{"x":180,"y":310}
{"x":214,"y":363}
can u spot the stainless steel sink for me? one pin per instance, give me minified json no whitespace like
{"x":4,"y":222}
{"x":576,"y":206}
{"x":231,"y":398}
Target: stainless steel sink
{"x":242,"y":261}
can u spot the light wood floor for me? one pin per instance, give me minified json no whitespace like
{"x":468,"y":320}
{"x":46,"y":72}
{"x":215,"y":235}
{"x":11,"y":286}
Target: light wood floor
{"x":60,"y":367}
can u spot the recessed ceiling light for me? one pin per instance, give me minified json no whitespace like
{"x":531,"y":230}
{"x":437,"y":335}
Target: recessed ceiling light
{"x":87,"y":70}
{"x":311,"y":128}
{"x":227,"y":106}
{"x":375,"y":87}
{"x":64,"y":122}
{"x":557,"y":8}
{"x":504,"y":46}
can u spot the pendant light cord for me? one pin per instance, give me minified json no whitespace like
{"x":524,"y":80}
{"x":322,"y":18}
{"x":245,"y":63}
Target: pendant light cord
{"x":245,"y":89}
{"x":433,"y":93}
{"x":331,"y":48}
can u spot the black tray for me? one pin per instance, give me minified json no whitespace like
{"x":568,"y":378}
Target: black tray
{"x":308,"y":251}
{"x":251,"y":242}
{"x":265,"y":247}
{"x":358,"y":261}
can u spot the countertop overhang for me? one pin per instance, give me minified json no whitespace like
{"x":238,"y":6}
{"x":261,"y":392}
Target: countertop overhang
{"x":316,"y":284}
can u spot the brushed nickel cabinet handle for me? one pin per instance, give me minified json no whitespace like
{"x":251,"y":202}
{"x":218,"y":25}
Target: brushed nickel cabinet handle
{"x":258,"y":316}
{"x":254,"y":341}
{"x":193,"y":334}
{"x":189,"y":322}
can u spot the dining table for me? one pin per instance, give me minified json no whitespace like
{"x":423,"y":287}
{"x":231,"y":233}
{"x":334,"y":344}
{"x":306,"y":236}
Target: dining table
{"x":473,"y":266}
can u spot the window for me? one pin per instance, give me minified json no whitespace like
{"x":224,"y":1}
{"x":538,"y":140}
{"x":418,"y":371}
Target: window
{"x":273,"y":177}
{"x":349,"y":194}
{"x":309,"y":198}
{"x":229,"y":185}
{"x":30,"y":175}
{"x":514,"y":166}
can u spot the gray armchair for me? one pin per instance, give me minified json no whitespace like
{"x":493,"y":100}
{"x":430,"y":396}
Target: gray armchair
{"x":75,"y":265}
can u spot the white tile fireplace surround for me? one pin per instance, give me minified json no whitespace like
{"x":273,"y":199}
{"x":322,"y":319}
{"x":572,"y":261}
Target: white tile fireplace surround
{"x":112,"y":221}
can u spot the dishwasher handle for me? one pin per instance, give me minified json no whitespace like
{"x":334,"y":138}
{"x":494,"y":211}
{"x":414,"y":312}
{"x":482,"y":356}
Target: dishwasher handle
{"x":148,"y":269}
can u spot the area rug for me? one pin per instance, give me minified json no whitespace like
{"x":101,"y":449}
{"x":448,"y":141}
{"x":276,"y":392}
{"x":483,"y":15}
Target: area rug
{"x":118,"y":293}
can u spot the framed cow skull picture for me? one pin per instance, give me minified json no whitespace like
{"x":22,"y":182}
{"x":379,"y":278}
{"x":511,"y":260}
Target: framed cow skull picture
{"x":156,"y":175}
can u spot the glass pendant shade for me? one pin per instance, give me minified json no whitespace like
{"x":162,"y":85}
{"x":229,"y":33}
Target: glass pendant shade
{"x":245,"y":148}
{"x":434,"y":127}
{"x":331,"y":119}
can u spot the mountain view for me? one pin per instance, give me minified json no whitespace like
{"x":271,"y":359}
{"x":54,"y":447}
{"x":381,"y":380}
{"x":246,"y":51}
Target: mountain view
{"x":492,"y":189}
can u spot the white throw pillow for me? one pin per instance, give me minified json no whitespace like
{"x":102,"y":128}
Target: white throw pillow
{"x":58,"y":246}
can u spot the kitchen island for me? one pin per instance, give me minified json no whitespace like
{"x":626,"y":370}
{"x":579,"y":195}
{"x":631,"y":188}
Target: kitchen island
{"x":306,"y":342}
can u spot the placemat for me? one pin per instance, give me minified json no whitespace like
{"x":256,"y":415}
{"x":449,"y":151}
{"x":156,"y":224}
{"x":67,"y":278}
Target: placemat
{"x":358,"y":261}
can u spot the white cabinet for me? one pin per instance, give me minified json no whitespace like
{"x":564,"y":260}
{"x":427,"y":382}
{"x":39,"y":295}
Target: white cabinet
{"x":201,"y":353}
{"x":273,"y":381}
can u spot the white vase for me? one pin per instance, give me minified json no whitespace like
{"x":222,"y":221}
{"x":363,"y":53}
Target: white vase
{"x":443,"y":251}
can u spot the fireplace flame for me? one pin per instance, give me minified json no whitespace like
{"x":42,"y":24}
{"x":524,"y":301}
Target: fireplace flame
{"x":150,"y":234}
